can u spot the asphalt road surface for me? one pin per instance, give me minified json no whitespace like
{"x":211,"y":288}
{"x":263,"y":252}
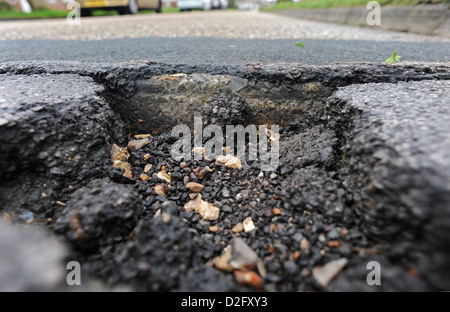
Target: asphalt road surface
{"x":218,"y":38}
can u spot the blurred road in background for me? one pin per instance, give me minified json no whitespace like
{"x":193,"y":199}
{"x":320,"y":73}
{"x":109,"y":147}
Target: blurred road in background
{"x":211,"y":38}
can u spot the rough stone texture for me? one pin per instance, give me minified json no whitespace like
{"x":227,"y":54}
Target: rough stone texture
{"x":30,"y":260}
{"x":162,"y":252}
{"x":400,"y":147}
{"x":54,"y":136}
{"x":312,"y":146}
{"x":98,"y":214}
{"x":225,"y":110}
{"x":54,"y":125}
{"x":313,"y":189}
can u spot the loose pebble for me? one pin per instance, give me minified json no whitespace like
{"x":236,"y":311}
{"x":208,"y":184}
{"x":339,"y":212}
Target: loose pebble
{"x":249,"y":225}
{"x":137,"y":144}
{"x":325,"y":274}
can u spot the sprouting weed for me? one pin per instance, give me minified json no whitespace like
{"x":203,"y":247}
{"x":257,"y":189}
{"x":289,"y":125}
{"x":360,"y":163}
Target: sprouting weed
{"x":394,"y":58}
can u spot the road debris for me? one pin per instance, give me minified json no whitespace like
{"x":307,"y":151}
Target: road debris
{"x":249,"y":225}
{"x":195,"y":187}
{"x":324,"y":274}
{"x":137,"y":144}
{"x":229,"y":161}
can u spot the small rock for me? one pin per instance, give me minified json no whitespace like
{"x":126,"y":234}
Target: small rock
{"x":160,"y":189}
{"x":298,"y":237}
{"x":27,"y":217}
{"x":144,"y":177}
{"x":142,"y":136}
{"x":195,"y":187}
{"x":119,"y":153}
{"x":236,"y":83}
{"x":208,"y":211}
{"x":194,"y":203}
{"x":273,"y":176}
{"x":147,"y":156}
{"x":304,"y":244}
{"x":238,"y":228}
{"x":276,"y":211}
{"x":196,"y":170}
{"x":334,"y":244}
{"x":295,"y":255}
{"x":324,"y":274}
{"x":248,"y":278}
{"x":344,"y":231}
{"x":163,"y":175}
{"x":165,"y":217}
{"x":261,"y":268}
{"x":213,"y":229}
{"x":249,"y":225}
{"x":194,"y":195}
{"x":204,"y":172}
{"x":242,"y":256}
{"x":225,"y":193}
{"x":222,"y":262}
{"x":229,"y":161}
{"x":147,"y":168}
{"x":137,"y":144}
{"x":322,"y":238}
{"x":124,"y":166}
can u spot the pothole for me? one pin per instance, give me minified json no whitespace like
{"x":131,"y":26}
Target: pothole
{"x":147,"y":228}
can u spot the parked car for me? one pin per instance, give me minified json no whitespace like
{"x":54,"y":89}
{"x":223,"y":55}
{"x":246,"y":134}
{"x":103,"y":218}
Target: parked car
{"x":187,"y":5}
{"x":247,"y":6}
{"x":219,"y":4}
{"x":122,"y":6}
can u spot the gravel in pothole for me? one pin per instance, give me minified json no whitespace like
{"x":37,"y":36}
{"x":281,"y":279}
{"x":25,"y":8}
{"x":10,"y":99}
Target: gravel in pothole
{"x":145,"y":227}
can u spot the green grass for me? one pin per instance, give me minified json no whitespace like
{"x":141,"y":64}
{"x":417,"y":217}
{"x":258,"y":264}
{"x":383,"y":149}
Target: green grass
{"x":35,"y":14}
{"x":320,"y":4}
{"x":171,"y":10}
{"x":104,"y":12}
